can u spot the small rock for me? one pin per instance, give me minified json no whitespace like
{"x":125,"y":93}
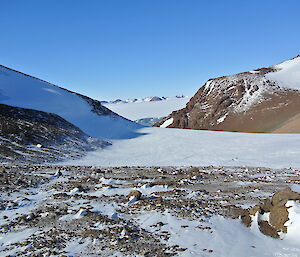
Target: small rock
{"x":136,"y":194}
{"x":246,"y":219}
{"x":255,"y":209}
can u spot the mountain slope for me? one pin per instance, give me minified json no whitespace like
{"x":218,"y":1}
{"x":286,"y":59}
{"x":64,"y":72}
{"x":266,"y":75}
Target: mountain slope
{"x":262,"y":100}
{"x":21,"y":90}
{"x":39,"y":136}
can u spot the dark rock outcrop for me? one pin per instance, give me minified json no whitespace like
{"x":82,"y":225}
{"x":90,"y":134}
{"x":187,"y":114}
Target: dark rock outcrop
{"x":40,"y":136}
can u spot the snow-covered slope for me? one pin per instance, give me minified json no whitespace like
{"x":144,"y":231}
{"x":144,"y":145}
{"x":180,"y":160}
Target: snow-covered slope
{"x":21,"y":90}
{"x":178,"y":147}
{"x":148,"y":109}
{"x":287,"y":73}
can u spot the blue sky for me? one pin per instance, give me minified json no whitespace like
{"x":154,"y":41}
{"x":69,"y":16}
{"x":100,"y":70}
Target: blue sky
{"x":111,"y":49}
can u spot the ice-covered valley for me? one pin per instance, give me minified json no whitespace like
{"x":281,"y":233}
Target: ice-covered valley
{"x":177,"y":147}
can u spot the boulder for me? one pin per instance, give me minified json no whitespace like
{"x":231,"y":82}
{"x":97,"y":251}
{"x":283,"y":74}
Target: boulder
{"x":266,"y":206}
{"x":246,"y":219}
{"x":281,"y":197}
{"x":136,"y":194}
{"x":278,"y":216}
{"x":267,"y":229}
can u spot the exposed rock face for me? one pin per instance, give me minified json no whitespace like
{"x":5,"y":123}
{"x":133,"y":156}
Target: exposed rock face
{"x":248,"y":102}
{"x":31,"y":132}
{"x":276,"y":210}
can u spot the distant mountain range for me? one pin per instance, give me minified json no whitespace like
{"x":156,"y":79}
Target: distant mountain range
{"x":261,"y":100}
{"x":140,"y":100}
{"x":147,"y":111}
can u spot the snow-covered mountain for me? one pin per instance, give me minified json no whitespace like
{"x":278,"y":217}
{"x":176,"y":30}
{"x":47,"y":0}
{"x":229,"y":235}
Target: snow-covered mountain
{"x":261,"y":100}
{"x":147,"y":111}
{"x":22,"y":90}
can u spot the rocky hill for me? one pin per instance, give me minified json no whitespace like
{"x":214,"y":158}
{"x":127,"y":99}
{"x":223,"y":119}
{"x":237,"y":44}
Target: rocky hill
{"x":262,"y":100}
{"x":37,"y":136}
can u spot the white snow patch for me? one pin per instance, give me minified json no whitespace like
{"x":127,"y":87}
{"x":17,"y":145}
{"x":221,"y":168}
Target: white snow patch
{"x":288,"y":74}
{"x":293,"y":224}
{"x":167,"y":123}
{"x":220,"y":120}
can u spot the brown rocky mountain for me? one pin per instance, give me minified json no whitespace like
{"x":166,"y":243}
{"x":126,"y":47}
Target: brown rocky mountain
{"x":262,"y":100}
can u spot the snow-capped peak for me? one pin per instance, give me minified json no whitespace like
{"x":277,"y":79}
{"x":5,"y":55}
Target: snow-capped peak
{"x":287,"y":73}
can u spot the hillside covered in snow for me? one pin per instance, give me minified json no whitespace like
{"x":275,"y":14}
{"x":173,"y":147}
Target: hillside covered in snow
{"x":261,"y":100}
{"x":22,"y":90}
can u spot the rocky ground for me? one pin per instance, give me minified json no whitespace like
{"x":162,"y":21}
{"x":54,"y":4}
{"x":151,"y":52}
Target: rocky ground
{"x":34,"y":136}
{"x":126,"y":211}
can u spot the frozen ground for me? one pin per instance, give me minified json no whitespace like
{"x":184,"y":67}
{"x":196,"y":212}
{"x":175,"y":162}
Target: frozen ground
{"x":85,"y":211}
{"x":176,"y":147}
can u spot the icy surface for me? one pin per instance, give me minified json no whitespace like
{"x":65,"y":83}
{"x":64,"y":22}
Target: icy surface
{"x":19,"y":90}
{"x":288,"y":74}
{"x":172,"y":147}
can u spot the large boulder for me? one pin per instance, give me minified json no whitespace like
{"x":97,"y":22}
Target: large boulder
{"x":273,"y":223}
{"x":281,"y":197}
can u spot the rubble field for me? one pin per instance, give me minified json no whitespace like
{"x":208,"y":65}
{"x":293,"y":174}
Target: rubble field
{"x":133,"y":211}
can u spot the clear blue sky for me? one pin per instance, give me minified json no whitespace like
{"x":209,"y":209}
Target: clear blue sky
{"x":111,"y":49}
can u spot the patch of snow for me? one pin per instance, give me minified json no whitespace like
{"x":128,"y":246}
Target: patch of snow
{"x":293,"y":224}
{"x":220,"y":120}
{"x":167,"y":123}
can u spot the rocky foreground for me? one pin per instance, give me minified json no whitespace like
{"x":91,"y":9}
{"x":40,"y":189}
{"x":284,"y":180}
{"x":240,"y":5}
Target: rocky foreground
{"x":144,"y":211}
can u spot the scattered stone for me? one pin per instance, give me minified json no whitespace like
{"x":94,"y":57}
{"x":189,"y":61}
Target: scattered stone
{"x":135,"y":194}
